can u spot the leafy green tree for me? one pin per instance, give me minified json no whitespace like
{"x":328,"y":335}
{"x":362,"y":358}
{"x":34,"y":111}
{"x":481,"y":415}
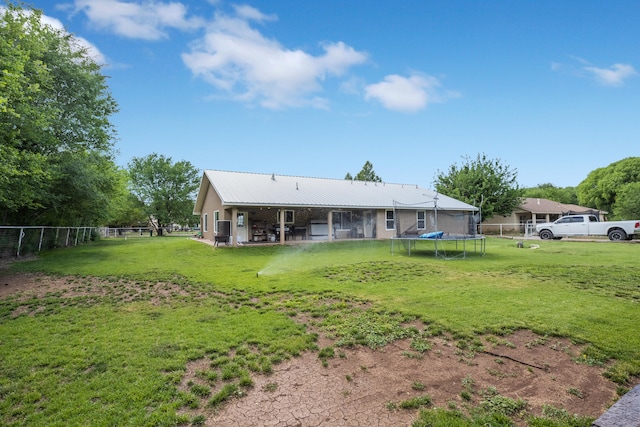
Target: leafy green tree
{"x":551,"y":192}
{"x":54,"y":113}
{"x":126,"y":209}
{"x":603,"y":187}
{"x":483,"y":180}
{"x":627,"y":205}
{"x":82,"y":189}
{"x":366,"y":174}
{"x":166,"y":189}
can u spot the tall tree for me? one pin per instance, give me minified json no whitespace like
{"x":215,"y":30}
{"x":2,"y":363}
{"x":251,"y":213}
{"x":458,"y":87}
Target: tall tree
{"x":126,"y":209}
{"x":482,"y":180}
{"x":366,"y":174}
{"x":54,"y":108}
{"x":627,"y":205}
{"x":83,"y":188}
{"x":166,"y":189}
{"x":551,"y":192}
{"x":602,"y":188}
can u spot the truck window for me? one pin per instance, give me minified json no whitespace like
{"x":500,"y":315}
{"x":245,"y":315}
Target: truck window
{"x":564,"y":220}
{"x":577,"y":219}
{"x":592,"y":218}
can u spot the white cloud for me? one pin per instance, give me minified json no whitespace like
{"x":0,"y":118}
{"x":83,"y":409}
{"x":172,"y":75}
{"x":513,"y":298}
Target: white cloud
{"x":612,"y":76}
{"x":251,"y":13}
{"x":407,"y":94}
{"x":615,"y":75}
{"x":147,"y":21}
{"x":235,"y":57}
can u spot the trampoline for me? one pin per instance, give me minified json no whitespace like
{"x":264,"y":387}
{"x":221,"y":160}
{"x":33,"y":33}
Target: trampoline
{"x":447,"y":246}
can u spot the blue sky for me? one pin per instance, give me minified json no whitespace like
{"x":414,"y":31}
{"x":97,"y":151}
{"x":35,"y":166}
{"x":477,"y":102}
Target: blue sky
{"x":316,"y":88}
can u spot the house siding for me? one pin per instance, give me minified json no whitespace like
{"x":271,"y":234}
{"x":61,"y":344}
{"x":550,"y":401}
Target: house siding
{"x":211,"y":204}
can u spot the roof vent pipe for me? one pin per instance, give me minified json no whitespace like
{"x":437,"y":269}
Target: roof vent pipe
{"x":273,"y":177}
{"x":296,"y":186}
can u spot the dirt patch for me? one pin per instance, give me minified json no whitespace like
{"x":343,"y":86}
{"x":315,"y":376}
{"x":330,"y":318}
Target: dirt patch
{"x":361,"y":386}
{"x":29,"y":286}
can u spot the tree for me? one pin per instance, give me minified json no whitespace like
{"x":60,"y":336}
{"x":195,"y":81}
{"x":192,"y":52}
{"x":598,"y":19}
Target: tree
{"x":603,"y":187}
{"x":127,"y":210}
{"x":54,"y":112}
{"x":551,"y":192}
{"x":82,"y":189}
{"x":482,"y":180}
{"x":366,"y":174}
{"x":627,"y":204}
{"x":166,"y":189}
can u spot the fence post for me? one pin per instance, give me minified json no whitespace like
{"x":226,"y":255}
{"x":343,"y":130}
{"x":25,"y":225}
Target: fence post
{"x":41,"y":234}
{"x":20,"y":240}
{"x":66,"y":242}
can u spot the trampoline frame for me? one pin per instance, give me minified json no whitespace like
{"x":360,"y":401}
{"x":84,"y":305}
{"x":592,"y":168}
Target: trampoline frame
{"x":479,"y":244}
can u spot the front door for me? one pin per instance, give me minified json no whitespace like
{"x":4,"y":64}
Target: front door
{"x":243,"y":229}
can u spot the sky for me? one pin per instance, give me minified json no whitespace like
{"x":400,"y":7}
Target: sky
{"x":312,"y":88}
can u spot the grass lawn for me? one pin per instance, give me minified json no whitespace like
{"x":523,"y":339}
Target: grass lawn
{"x":112,"y":353}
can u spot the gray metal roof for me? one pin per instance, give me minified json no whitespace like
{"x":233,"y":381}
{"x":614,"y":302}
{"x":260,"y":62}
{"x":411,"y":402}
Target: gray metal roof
{"x":538,"y":205}
{"x":255,"y":189}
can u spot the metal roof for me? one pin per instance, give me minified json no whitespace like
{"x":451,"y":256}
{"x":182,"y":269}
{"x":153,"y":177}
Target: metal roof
{"x":538,"y":205}
{"x":256,"y":189}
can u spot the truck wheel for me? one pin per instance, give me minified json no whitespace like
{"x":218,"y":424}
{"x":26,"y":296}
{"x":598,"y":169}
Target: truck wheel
{"x":617,"y":234}
{"x":546,"y":234}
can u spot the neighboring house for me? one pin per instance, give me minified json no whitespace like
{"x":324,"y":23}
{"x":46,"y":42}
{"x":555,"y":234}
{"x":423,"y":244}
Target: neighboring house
{"x":535,"y":210}
{"x":252,"y":207}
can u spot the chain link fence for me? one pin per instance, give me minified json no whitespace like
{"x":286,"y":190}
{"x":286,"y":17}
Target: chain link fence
{"x":17,"y":241}
{"x":509,"y":229}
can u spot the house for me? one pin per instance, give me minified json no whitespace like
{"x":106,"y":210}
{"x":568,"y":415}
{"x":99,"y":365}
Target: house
{"x":534,"y":210}
{"x":240,"y":207}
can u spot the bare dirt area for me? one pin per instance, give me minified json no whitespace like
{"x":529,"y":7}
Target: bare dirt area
{"x":360,"y":386}
{"x":366,"y":387}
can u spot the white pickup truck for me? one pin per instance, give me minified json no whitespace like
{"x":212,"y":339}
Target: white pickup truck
{"x":588,"y":225}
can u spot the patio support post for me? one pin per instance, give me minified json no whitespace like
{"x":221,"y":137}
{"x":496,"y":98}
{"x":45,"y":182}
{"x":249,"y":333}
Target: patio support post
{"x":281,"y":221}
{"x":234,"y":226}
{"x":330,"y":225}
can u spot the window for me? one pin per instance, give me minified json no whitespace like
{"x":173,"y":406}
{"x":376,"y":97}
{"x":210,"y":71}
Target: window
{"x":342,"y":220}
{"x":390,"y":223}
{"x":289,"y":217}
{"x":421,"y":220}
{"x":205,"y":220}
{"x":216,"y":218}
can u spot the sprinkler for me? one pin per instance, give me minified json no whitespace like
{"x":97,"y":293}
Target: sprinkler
{"x":258,"y":274}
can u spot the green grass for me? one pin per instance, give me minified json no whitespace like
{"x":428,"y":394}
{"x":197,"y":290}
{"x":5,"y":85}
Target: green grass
{"x":115,"y":353}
